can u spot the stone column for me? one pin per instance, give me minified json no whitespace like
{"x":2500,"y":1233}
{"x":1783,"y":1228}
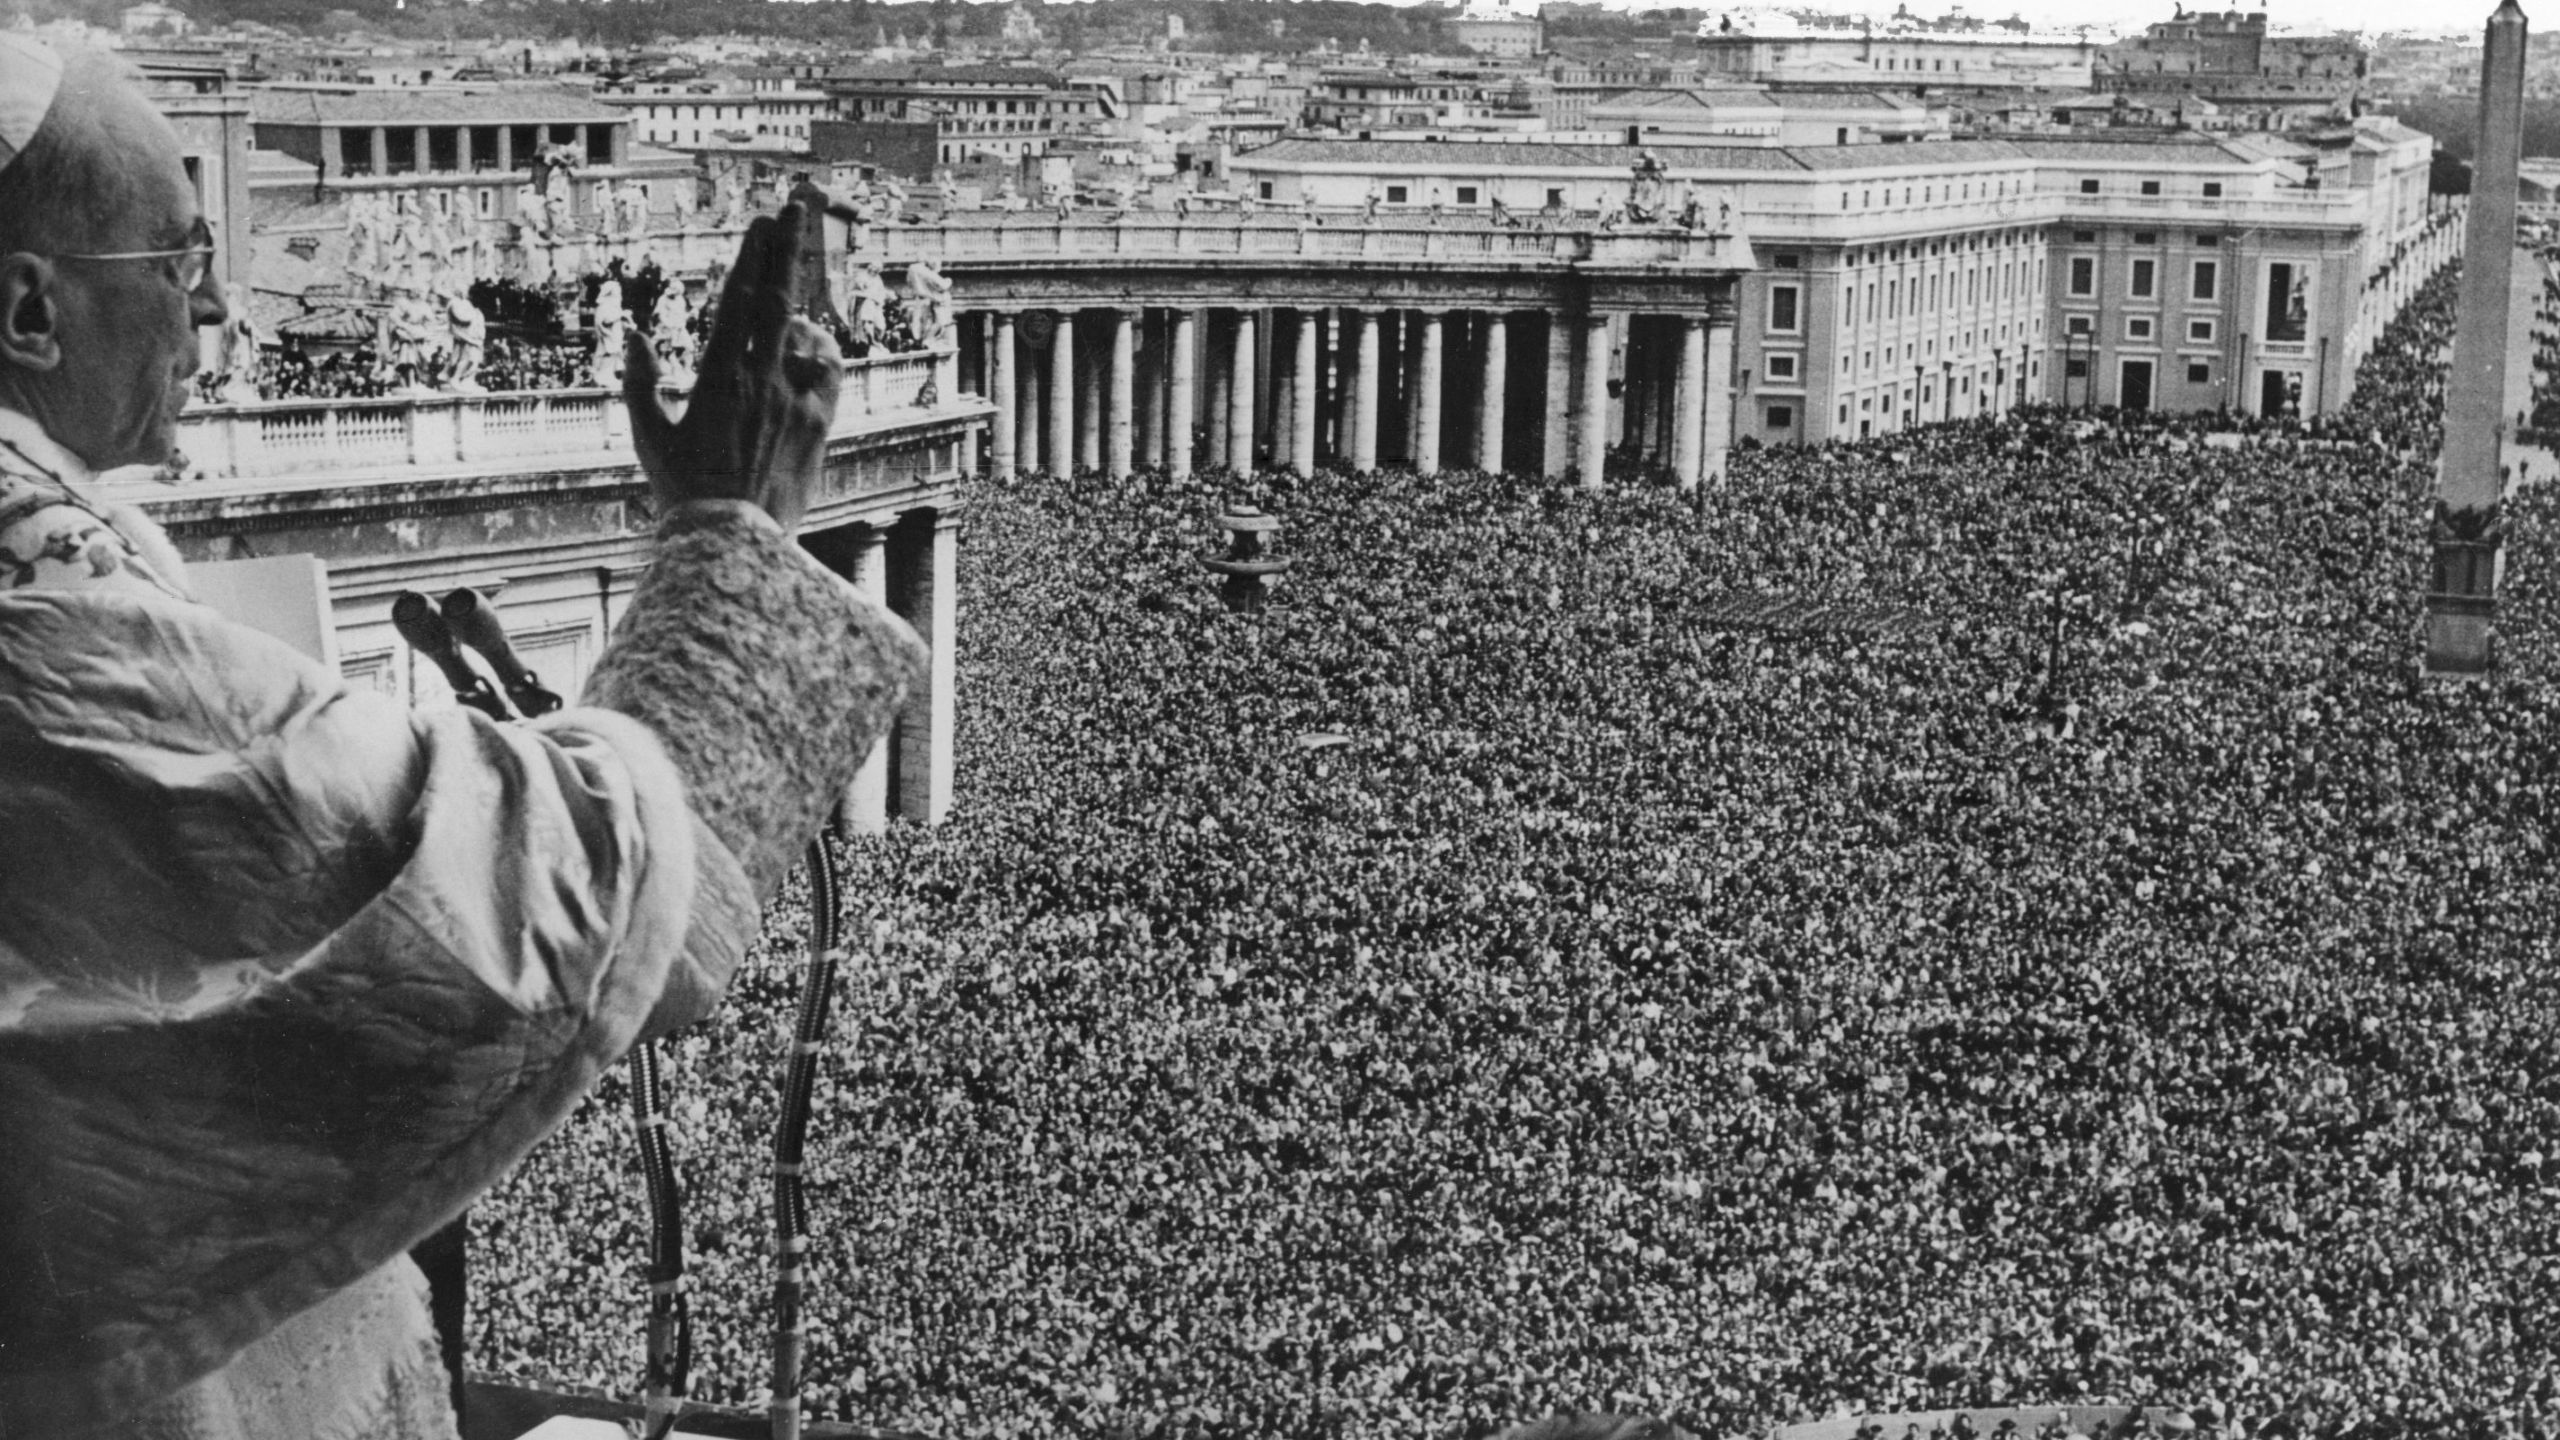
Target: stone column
{"x":1280,"y":370}
{"x":1000,"y":383}
{"x":1062,"y":395}
{"x":423,"y":156}
{"x":1635,"y":393}
{"x":462,"y":156}
{"x":1026,"y":403}
{"x":1719,"y":396}
{"x":1222,"y":376}
{"x":1150,"y":401}
{"x":1307,"y":397}
{"x":1241,"y":393}
{"x":1089,"y":403}
{"x":1117,"y":459}
{"x":1688,"y":424}
{"x":1591,"y":415}
{"x":1364,"y":396}
{"x":1179,"y":408}
{"x":1410,"y":338}
{"x":1558,"y":460}
{"x":1495,"y":351}
{"x":507,"y":152}
{"x":866,"y":800}
{"x":924,"y":727}
{"x":381,"y":151}
{"x":1427,"y":397}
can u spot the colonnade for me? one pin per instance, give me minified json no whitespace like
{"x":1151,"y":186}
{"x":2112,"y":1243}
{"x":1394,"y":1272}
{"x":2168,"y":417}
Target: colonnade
{"x":1111,"y":389}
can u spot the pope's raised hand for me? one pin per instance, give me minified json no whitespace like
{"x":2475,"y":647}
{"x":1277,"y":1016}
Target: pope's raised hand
{"x":765,"y":397}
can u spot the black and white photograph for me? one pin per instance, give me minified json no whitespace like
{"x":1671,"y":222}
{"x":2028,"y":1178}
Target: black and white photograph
{"x":1279,"y":720}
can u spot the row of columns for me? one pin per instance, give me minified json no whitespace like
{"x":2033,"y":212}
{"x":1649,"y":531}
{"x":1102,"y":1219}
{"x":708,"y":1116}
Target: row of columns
{"x":911,"y":568}
{"x":1110,"y":390}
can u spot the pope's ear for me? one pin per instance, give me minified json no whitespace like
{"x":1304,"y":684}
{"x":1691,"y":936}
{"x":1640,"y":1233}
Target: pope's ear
{"x":30,"y":320}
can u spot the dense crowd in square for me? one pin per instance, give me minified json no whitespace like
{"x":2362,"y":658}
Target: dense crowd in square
{"x":1480,"y":985}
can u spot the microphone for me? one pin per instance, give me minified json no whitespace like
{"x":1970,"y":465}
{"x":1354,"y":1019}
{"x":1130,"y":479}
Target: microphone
{"x":415,"y":617}
{"x":468,"y":615}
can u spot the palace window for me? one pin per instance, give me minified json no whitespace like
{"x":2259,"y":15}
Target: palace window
{"x":2145,"y":279}
{"x":1782,"y":367}
{"x":2088,"y":187}
{"x":2084,"y":275}
{"x":2208,"y":280}
{"x":2199,"y":372}
{"x":1783,"y":316}
{"x":2200,"y":332}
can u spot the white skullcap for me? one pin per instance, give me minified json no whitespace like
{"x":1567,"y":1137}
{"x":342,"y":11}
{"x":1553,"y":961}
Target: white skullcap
{"x":30,"y":76}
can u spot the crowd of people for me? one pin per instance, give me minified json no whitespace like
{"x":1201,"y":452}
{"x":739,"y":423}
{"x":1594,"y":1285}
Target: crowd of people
{"x":1484,"y":983}
{"x":291,"y":372}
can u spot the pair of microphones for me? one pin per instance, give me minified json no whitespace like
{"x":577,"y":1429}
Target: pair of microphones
{"x":467,"y":619}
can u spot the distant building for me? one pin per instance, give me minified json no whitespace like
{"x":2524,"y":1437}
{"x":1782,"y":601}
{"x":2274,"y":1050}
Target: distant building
{"x":1778,"y":48}
{"x":713,"y":115}
{"x":1497,"y":27}
{"x":1749,"y":115}
{"x":379,"y":133}
{"x":1356,"y":100}
{"x":1900,"y":284}
{"x":153,"y":18}
{"x":2260,"y":80}
{"x":1574,"y":86}
{"x":908,"y":149}
{"x":465,"y":151}
{"x":1003,"y":111}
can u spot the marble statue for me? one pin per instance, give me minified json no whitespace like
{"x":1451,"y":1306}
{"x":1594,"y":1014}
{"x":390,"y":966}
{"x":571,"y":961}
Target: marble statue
{"x":733,"y":198}
{"x":865,"y":209}
{"x":531,"y":218}
{"x":364,"y":234}
{"x":1009,"y":197}
{"x":1647,"y":191}
{"x":468,"y":335}
{"x":929,"y":304}
{"x":241,"y":353}
{"x":413,"y":342}
{"x":867,"y":304}
{"x":559,"y":224}
{"x":671,"y":335}
{"x":630,"y":210}
{"x":434,"y":238}
{"x":408,"y":237}
{"x":554,"y":160}
{"x":604,"y":366}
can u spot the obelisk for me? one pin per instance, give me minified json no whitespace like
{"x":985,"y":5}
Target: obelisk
{"x":2462,"y":591}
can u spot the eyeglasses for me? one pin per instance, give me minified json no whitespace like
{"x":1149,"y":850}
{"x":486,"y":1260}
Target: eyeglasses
{"x":195,"y":259}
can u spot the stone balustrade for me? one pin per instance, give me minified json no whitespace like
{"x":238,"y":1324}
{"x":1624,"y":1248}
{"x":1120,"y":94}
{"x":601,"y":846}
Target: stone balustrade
{"x":1260,"y":238}
{"x":339,"y":440}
